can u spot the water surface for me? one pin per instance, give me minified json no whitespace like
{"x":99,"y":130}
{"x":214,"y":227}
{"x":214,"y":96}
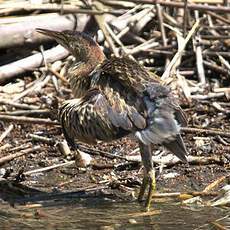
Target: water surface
{"x":106,"y":214}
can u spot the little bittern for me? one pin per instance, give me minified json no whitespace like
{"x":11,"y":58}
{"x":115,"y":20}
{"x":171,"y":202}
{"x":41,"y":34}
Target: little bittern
{"x":114,"y":98}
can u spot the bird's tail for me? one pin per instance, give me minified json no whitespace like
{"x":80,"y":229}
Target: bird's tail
{"x":164,"y":121}
{"x":177,"y":147}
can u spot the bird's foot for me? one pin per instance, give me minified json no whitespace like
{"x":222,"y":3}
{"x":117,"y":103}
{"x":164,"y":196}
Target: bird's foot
{"x":149,"y":179}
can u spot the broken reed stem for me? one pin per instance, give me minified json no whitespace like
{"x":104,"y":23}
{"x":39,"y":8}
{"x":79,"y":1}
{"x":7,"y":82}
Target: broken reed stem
{"x":18,"y":105}
{"x":6,"y":132}
{"x":27,"y":120}
{"x":57,"y":8}
{"x":49,"y":168}
{"x":184,"y":194}
{"x":190,"y":6}
{"x":205,"y":131}
{"x":185,"y":17}
{"x":166,"y":74}
{"x":10,"y":157}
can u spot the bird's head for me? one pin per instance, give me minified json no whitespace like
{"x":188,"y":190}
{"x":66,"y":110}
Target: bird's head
{"x":79,"y":44}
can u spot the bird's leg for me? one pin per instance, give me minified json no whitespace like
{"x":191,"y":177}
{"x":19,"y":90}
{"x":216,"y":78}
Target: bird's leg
{"x":149,"y":174}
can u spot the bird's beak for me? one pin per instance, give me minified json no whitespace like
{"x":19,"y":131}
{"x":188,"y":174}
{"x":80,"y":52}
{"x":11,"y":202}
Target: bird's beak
{"x":50,"y":33}
{"x":60,"y":37}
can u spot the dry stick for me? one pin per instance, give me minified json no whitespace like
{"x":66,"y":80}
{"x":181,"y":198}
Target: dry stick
{"x":21,"y":147}
{"x":206,"y":131}
{"x":47,"y":140}
{"x":166,"y":74}
{"x":219,"y":226}
{"x":207,"y":96}
{"x":172,"y":21}
{"x":199,"y":65}
{"x":58,"y":75}
{"x":225,"y":63}
{"x":190,"y":6}
{"x":27,"y":120}
{"x":216,"y":16}
{"x":12,"y":70}
{"x":39,"y":84}
{"x":162,"y":28}
{"x":215,"y":67}
{"x":215,"y":53}
{"x":199,"y":57}
{"x":6,"y":132}
{"x":144,"y":46}
{"x":10,"y":157}
{"x":23,"y":33}
{"x":184,"y":194}
{"x":215,"y":183}
{"x":57,"y":8}
{"x":94,"y":151}
{"x":49,"y":168}
{"x":217,"y":37}
{"x":38,"y":112}
{"x":116,"y":39}
{"x":212,"y":31}
{"x":173,"y":160}
{"x":18,"y":105}
{"x":101,"y":23}
{"x":185,"y":17}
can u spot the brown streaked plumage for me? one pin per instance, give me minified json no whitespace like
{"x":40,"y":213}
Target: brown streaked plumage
{"x":116,"y":97}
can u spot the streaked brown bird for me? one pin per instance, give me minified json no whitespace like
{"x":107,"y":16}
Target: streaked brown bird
{"x":114,"y":98}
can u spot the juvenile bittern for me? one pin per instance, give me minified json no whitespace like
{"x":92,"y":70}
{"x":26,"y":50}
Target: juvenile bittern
{"x":114,"y":98}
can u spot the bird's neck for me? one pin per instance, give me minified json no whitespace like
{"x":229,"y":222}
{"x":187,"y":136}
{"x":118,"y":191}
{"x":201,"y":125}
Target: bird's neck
{"x":79,"y":71}
{"x":91,"y":57}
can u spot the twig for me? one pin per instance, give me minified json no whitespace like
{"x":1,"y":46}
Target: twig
{"x":39,"y":84}
{"x":10,"y":157}
{"x":224,"y":62}
{"x":207,"y":96}
{"x":58,"y":75}
{"x":35,"y":171}
{"x":6,"y":132}
{"x":199,"y":58}
{"x":47,"y":140}
{"x":215,"y":67}
{"x":101,"y":23}
{"x":18,"y":105}
{"x":162,"y":28}
{"x":184,"y":194}
{"x":185,"y":17}
{"x":225,"y":20}
{"x":144,"y":46}
{"x":206,"y":131}
{"x":38,"y":112}
{"x":12,"y":70}
{"x":181,"y":5}
{"x":166,"y":74}
{"x":215,"y":183}
{"x":23,"y":33}
{"x":27,"y":120}
{"x":94,"y":151}
{"x":172,"y":160}
{"x":57,"y":8}
{"x":116,"y":39}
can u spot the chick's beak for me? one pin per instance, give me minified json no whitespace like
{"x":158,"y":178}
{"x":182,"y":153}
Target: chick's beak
{"x":50,"y":33}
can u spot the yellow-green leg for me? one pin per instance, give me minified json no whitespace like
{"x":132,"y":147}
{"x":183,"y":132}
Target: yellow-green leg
{"x":149,"y":175}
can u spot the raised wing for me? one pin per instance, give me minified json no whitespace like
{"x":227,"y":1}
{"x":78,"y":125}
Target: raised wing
{"x":93,"y":118}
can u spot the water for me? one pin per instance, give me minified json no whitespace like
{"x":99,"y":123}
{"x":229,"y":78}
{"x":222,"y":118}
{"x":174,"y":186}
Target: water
{"x":107,"y":215}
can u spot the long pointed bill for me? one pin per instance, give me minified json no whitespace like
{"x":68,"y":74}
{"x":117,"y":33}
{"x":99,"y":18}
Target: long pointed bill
{"x":60,"y":37}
